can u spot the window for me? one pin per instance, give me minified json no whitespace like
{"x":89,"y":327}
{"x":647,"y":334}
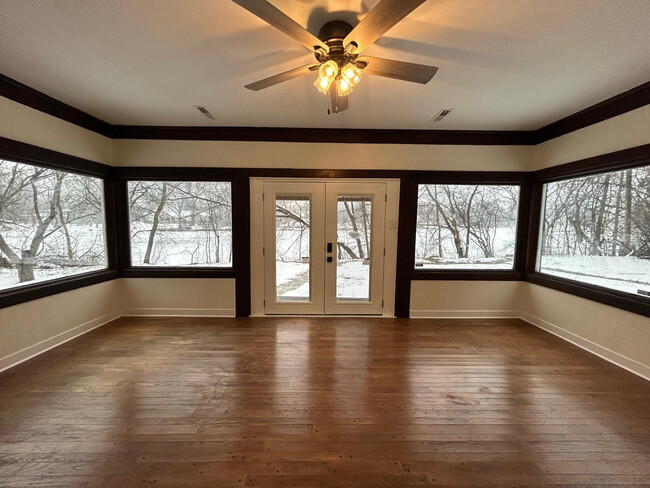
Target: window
{"x":596,"y":230}
{"x":180,"y":223}
{"x":51,"y":224}
{"x":468,"y":227}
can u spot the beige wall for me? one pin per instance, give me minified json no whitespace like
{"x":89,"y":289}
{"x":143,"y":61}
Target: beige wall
{"x":620,"y":336}
{"x":28,"y":125}
{"x":431,"y":299}
{"x":32,"y":327}
{"x":179,"y":296}
{"x":622,"y":132}
{"x":318,"y":155}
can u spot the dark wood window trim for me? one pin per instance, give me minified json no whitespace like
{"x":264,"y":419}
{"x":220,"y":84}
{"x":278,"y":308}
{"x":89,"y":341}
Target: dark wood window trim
{"x":619,"y":160}
{"x":124,"y":175}
{"x":33,"y":155}
{"x":22,"y":294}
{"x":521,"y":179}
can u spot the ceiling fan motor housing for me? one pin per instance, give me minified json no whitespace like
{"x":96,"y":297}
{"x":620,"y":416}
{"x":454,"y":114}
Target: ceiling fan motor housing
{"x":332,"y":34}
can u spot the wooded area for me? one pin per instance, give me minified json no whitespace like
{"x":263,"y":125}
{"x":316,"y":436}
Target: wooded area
{"x":51,"y":223}
{"x":601,"y":215}
{"x":180,"y":223}
{"x":466,"y":225}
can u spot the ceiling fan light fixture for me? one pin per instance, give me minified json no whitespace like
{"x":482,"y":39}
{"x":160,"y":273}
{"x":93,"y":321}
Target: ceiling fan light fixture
{"x":343,"y":88}
{"x":323,"y":84}
{"x":351,"y":74}
{"x":328,"y":70}
{"x":326,"y":75}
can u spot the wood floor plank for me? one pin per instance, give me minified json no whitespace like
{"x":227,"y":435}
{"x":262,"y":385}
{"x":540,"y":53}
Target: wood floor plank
{"x":314,"y":402}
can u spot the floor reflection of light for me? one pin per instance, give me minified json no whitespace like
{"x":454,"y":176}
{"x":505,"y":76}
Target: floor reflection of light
{"x":350,"y":370}
{"x":291,"y":371}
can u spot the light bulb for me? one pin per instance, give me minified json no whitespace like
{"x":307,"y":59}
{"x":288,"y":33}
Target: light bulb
{"x":323,"y":84}
{"x":329,"y":69}
{"x":351,"y":73}
{"x":343,"y":88}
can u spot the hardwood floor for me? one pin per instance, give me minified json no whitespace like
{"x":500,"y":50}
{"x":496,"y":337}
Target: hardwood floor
{"x":321,"y":403}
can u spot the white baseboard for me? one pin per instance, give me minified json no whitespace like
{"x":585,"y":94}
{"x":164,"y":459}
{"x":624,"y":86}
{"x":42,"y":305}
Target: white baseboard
{"x":613,"y":357}
{"x":178,"y":312}
{"x":39,"y":348}
{"x":464,"y":314}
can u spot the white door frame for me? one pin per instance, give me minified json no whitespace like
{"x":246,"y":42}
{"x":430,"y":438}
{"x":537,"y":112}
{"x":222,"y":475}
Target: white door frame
{"x":257,"y":238}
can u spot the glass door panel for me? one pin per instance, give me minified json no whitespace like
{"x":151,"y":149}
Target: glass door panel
{"x":355,"y":214}
{"x":323,"y":247}
{"x":292,"y":248}
{"x":353,"y":238}
{"x":293,"y":252}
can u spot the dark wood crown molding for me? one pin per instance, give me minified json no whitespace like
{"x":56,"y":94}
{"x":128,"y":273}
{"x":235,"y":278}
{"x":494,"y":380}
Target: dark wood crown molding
{"x":624,"y":102}
{"x":349,"y":136}
{"x":632,"y":99}
{"x":18,"y":92}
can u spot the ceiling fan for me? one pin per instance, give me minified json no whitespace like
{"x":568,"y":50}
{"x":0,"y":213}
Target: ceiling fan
{"x":338,"y":49}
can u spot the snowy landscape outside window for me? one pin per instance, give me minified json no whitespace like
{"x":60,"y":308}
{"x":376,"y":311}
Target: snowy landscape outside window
{"x":467,"y":227}
{"x":180,"y":223}
{"x":596,"y":230}
{"x":51,"y":224}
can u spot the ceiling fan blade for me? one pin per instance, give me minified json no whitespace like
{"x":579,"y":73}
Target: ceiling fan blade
{"x":337,"y":104}
{"x":399,"y":70}
{"x":280,"y":77}
{"x":382,"y":17}
{"x":271,"y":15}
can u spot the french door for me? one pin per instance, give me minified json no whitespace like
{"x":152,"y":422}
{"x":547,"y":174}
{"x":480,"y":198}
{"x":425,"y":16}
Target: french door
{"x":323,"y":247}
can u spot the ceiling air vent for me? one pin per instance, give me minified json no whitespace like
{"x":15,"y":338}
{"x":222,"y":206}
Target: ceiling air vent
{"x":204,"y":111}
{"x":442,"y":114}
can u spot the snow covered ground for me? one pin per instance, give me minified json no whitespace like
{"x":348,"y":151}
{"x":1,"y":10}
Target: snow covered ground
{"x":352,"y":280}
{"x":182,"y":248}
{"x":626,"y":274}
{"x":426,"y":245}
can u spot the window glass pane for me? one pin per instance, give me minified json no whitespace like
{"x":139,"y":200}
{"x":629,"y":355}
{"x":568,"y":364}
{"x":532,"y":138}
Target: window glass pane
{"x":353,"y":234}
{"x":596,"y":229}
{"x":180,"y":223}
{"x":51,"y":224}
{"x":292,"y":248}
{"x":466,"y":226}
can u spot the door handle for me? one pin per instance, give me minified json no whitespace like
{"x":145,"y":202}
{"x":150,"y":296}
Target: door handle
{"x":329,"y":247}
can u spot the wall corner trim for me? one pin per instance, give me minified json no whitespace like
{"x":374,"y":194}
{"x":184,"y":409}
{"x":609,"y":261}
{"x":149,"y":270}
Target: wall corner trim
{"x":178,"y":312}
{"x":34,"y":350}
{"x":613,"y":357}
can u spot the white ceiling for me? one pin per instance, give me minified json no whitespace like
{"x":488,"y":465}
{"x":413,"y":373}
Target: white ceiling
{"x":504,"y":64}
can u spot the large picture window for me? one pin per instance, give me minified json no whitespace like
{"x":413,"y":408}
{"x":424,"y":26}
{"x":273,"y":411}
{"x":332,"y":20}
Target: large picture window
{"x":51,"y":224}
{"x":180,"y":223}
{"x":468,"y":227}
{"x":596,"y":230}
